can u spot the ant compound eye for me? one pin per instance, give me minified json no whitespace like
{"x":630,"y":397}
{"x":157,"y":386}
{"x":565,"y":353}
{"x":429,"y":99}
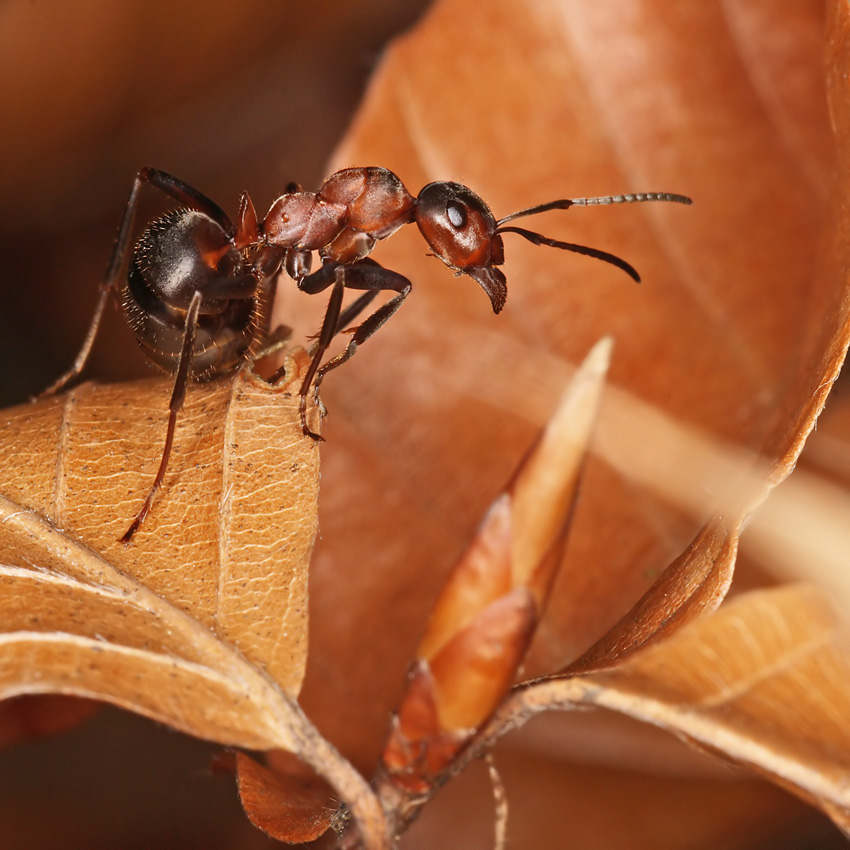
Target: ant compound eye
{"x":456,"y":216}
{"x":457,"y":225}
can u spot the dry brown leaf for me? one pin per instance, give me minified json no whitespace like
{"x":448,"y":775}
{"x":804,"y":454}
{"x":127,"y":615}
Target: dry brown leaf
{"x":524,"y":102}
{"x":691,"y":588}
{"x":201,"y":622}
{"x":763,"y":682}
{"x":197,"y":621}
{"x":704,"y":570}
{"x":287,"y":807}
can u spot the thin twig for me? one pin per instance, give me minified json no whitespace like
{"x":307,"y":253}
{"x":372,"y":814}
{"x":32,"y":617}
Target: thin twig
{"x":500,"y":800}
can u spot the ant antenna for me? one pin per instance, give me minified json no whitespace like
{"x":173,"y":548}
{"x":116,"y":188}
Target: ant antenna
{"x":540,"y":239}
{"x":604,"y":200}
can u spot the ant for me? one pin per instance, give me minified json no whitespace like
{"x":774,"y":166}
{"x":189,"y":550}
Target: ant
{"x":197,"y":281}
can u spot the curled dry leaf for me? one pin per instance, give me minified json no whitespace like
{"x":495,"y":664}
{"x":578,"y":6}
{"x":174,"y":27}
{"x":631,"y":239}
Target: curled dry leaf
{"x":725,"y":369}
{"x":526,"y":102}
{"x":201,"y":619}
{"x":763,"y":682}
{"x":698,"y":580}
{"x":828,"y":451}
{"x":201,"y":622}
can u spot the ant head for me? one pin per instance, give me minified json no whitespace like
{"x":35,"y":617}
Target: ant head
{"x":460,"y":230}
{"x":463,"y":233}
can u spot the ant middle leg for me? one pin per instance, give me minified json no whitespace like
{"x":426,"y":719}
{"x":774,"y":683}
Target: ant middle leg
{"x":363,"y":275}
{"x":373,"y":278}
{"x":175,"y":188}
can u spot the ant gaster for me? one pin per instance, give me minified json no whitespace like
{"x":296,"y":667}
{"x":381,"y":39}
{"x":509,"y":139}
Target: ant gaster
{"x":197,"y":280}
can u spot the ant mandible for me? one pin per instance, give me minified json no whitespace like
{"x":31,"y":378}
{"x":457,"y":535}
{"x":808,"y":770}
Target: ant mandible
{"x":197,"y":280}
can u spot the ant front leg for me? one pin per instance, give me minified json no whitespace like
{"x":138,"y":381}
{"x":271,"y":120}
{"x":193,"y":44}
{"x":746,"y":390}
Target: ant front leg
{"x":175,"y":188}
{"x":363,"y":275}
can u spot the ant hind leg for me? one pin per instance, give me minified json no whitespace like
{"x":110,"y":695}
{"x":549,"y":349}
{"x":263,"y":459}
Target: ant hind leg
{"x":178,"y":396}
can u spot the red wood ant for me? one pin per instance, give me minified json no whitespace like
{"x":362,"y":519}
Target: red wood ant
{"x":197,"y":280}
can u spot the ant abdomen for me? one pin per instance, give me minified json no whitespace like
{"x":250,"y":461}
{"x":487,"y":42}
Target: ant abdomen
{"x":178,"y":255}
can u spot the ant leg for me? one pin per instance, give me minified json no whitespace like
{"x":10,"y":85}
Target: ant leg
{"x":107,"y":287}
{"x":173,"y":187}
{"x":350,"y":313}
{"x":353,"y":310}
{"x":331,"y":273}
{"x":271,"y":340}
{"x":319,"y":281}
{"x":275,"y":341}
{"x":186,"y":195}
{"x":177,"y":398}
{"x":371,"y":276}
{"x":365,"y":275}
{"x":269,"y":276}
{"x":313,"y":283}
